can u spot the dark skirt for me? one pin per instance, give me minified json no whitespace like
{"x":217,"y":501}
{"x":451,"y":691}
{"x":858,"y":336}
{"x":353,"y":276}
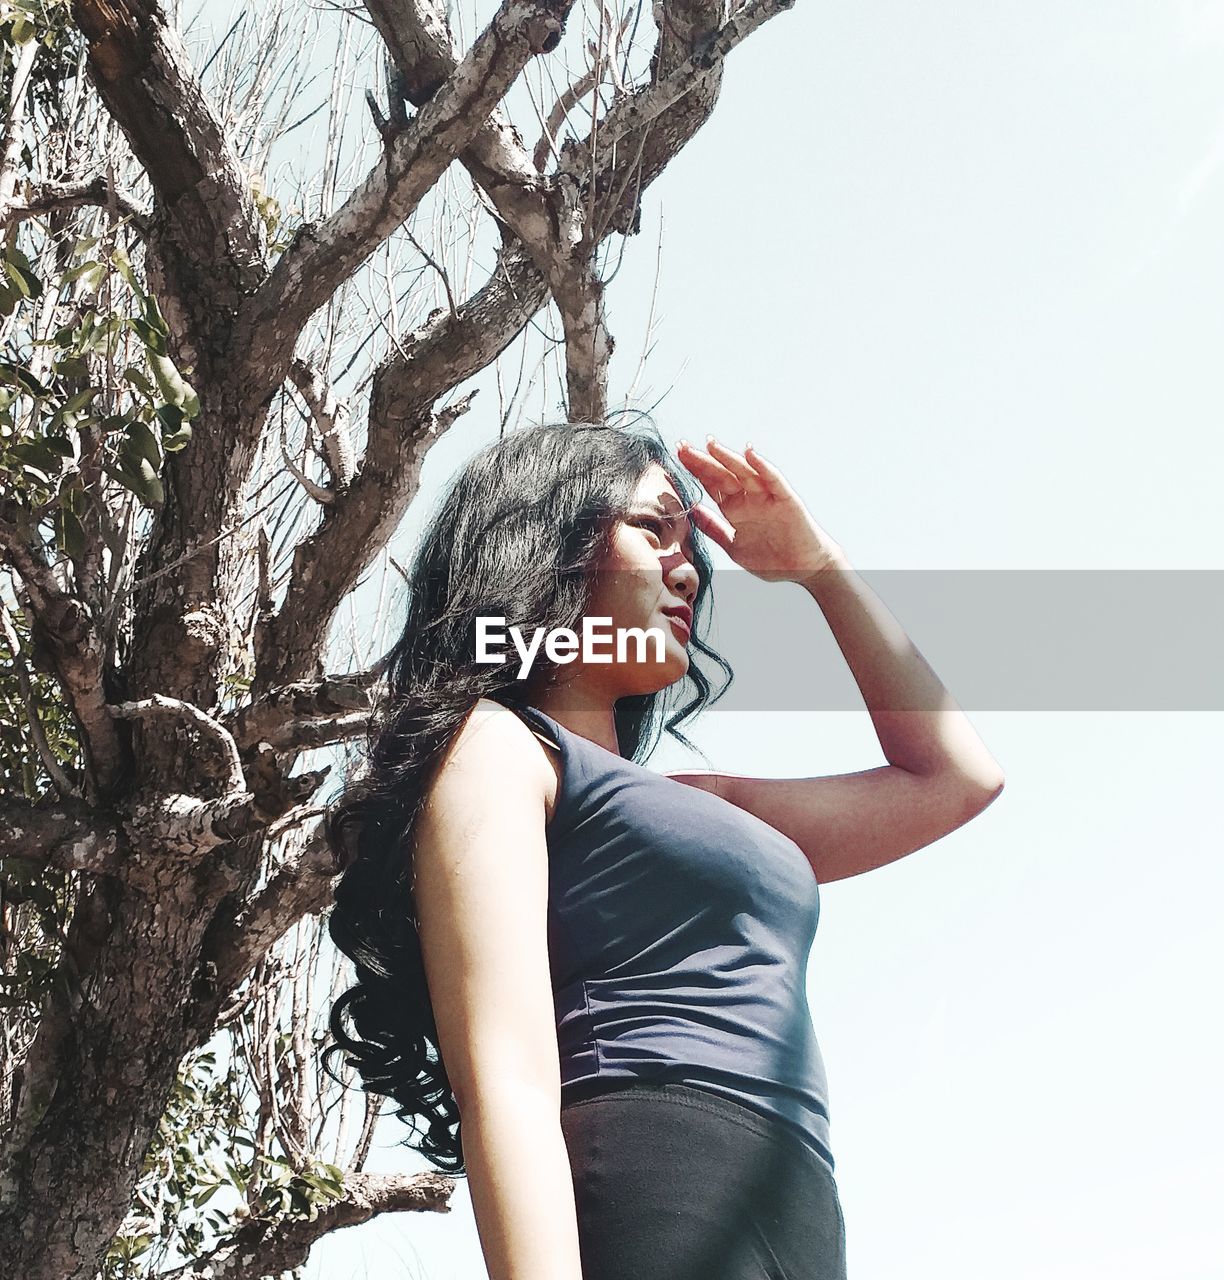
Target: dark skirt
{"x":672,"y":1182}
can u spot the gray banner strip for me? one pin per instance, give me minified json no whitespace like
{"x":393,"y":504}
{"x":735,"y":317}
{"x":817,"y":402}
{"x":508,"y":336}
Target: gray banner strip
{"x":999,"y":640}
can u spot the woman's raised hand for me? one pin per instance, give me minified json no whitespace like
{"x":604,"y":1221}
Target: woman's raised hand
{"x":761,"y":522}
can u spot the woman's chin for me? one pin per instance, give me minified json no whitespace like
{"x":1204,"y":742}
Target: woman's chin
{"x":660,"y":675}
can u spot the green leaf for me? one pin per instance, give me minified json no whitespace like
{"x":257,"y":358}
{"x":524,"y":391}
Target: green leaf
{"x":138,"y":380}
{"x":25,"y":280}
{"x":72,"y":367}
{"x":299,"y":1200}
{"x":173,"y":441}
{"x":170,"y":416}
{"x":39,"y":456}
{"x":145,"y":484}
{"x":69,"y":533}
{"x":151,"y":337}
{"x":124,"y":267}
{"x":74,"y":273}
{"x":152,"y":313}
{"x":74,"y":404}
{"x":18,"y":375}
{"x":173,"y":386}
{"x":175,"y":431}
{"x":143,"y":443}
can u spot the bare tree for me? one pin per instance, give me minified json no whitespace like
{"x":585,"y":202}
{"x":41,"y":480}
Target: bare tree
{"x":218,"y":388}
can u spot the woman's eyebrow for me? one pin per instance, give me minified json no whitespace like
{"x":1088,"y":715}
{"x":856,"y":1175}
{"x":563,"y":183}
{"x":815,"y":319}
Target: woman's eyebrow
{"x":656,"y":506}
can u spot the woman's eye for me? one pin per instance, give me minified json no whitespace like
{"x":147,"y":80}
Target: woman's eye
{"x":656,"y":525}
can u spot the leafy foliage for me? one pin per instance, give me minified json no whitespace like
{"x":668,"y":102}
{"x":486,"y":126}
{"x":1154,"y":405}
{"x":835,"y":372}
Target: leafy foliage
{"x":204,"y":1177}
{"x":103,"y":378}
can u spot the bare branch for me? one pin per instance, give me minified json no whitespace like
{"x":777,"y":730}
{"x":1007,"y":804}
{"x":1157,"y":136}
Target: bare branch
{"x":320,"y":493}
{"x":639,"y":109}
{"x":562,"y":107}
{"x":69,"y":836}
{"x":549,"y":218}
{"x":261,"y":1248}
{"x":158,"y":704}
{"x":184,"y":828}
{"x":67,"y":631}
{"x":366,"y":514}
{"x":333,"y":697}
{"x":44,"y":197}
{"x":144,"y":77}
{"x":324,"y":565}
{"x":330,"y":418}
{"x":242,"y":934}
{"x":544,"y":217}
{"x":323,"y":256}
{"x":308,"y":735}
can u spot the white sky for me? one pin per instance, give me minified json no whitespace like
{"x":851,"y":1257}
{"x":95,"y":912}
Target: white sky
{"x":958,"y":270}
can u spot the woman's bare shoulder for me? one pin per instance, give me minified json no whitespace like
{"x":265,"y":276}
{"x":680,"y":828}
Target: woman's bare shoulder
{"x":493,"y":749}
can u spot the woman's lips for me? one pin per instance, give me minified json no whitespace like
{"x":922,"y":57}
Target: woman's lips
{"x":679,"y":626}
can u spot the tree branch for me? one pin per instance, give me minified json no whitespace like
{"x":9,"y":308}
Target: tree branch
{"x":44,"y":197}
{"x":548,"y":217}
{"x":213,"y":240}
{"x":322,"y":256}
{"x":184,"y":828}
{"x":633,"y":113}
{"x":242,"y":933}
{"x":541,"y":214}
{"x":259,"y":1248}
{"x":332,"y":697}
{"x":330,"y":418}
{"x":360,"y":521}
{"x":448,"y":350}
{"x":65,"y":629}
{"x":158,"y":704}
{"x":308,"y":735}
{"x":68,"y":836}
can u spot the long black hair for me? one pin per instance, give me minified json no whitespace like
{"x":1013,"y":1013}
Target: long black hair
{"x":519,"y":534}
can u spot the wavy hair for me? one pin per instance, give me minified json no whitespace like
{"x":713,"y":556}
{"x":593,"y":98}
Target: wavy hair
{"x":519,"y":534}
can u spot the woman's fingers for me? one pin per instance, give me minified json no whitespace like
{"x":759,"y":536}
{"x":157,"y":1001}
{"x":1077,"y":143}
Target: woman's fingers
{"x":737,"y":464}
{"x":712,"y":524}
{"x":718,"y":480}
{"x":723,"y":476}
{"x":774,"y":480}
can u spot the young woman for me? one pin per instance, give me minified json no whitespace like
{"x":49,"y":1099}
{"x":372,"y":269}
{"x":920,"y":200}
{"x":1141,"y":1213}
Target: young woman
{"x":586,"y":977}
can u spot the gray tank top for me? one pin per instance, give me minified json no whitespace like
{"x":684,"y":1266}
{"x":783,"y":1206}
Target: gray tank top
{"x":679,"y":929}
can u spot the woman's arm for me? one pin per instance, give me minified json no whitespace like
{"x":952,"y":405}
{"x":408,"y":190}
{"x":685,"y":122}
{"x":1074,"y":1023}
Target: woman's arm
{"x":939,"y":773}
{"x":521,"y":1185}
{"x":481,"y":895}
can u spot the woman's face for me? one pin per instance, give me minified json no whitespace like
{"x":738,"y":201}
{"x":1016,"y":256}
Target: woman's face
{"x":647,"y":570}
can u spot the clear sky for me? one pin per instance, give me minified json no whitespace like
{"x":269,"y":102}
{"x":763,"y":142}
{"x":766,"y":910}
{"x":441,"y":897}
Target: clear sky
{"x":958,"y":269}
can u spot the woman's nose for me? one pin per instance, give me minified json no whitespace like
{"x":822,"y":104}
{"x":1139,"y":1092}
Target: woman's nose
{"x":683,"y":580}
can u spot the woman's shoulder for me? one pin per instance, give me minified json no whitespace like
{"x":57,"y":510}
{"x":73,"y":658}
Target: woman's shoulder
{"x":492,"y":710}
{"x":505,"y":736}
